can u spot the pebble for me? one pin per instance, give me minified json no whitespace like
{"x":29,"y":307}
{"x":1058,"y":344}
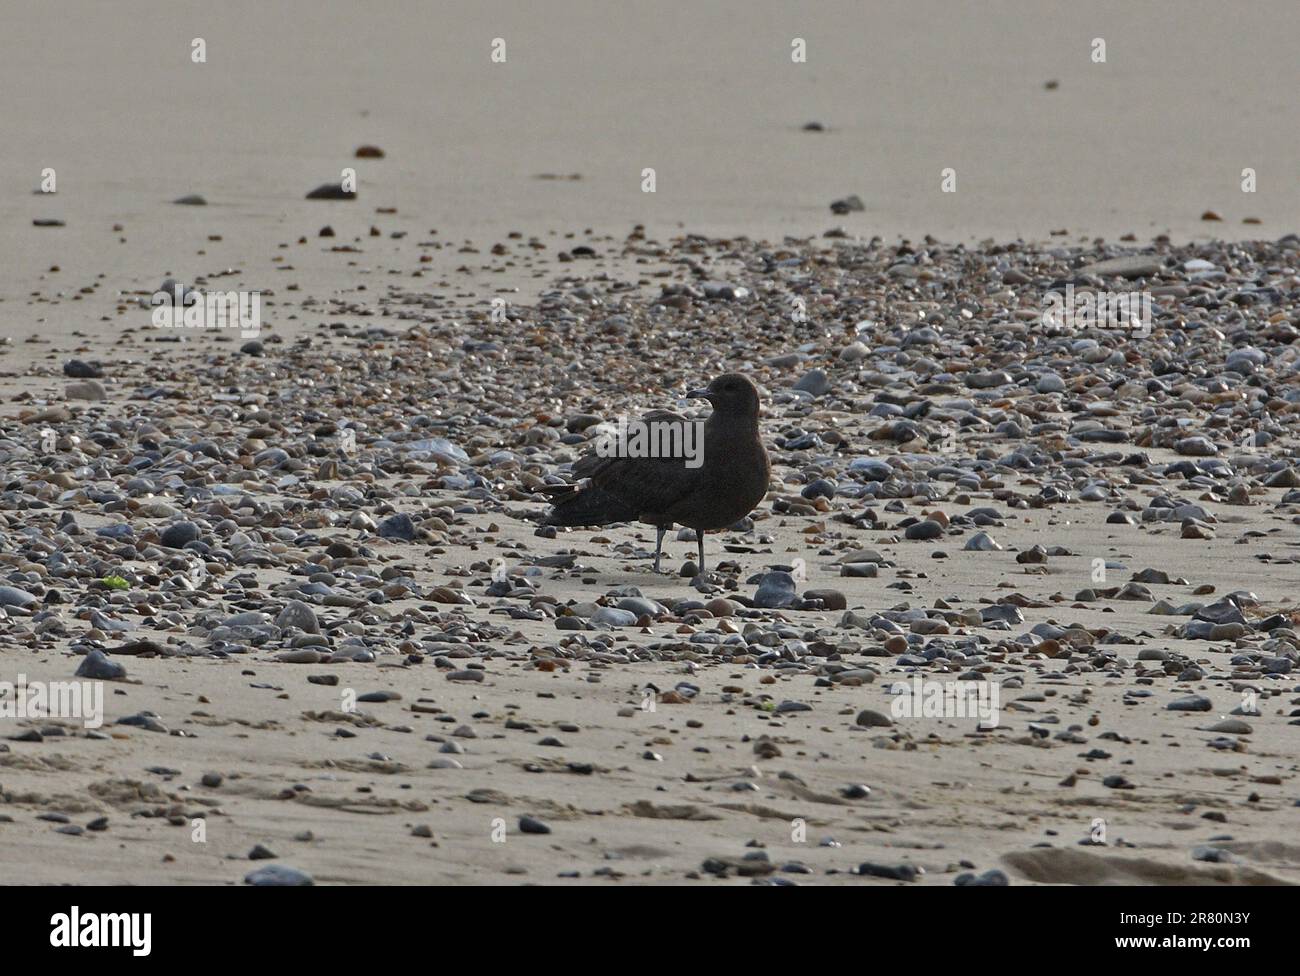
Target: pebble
{"x":179,"y":534}
{"x":97,"y":666}
{"x":278,"y":875}
{"x":870,"y":718}
{"x":927,"y":529}
{"x":531,"y":825}
{"x":776,"y":590}
{"x":298,"y":615}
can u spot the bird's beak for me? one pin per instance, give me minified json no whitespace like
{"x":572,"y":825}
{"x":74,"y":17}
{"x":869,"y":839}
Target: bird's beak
{"x":699,"y":395}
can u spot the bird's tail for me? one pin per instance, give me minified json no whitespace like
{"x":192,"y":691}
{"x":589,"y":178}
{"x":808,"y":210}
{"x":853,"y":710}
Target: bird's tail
{"x":572,"y":505}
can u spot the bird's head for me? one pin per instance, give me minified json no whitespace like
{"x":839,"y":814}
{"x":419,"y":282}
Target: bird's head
{"x":730,"y":393}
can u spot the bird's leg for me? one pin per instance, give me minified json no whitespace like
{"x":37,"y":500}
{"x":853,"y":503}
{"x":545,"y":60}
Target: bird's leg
{"x":699,"y":541}
{"x":659,"y":544}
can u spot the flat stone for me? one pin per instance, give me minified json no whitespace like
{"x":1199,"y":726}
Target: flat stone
{"x":97,"y":666}
{"x":872,"y":719}
{"x":300,"y":615}
{"x":278,"y":876}
{"x":776,"y":590}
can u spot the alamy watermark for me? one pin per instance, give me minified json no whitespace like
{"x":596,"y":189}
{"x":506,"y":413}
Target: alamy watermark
{"x":54,"y":699}
{"x":75,"y":929}
{"x":1092,"y":309}
{"x":188,"y":308}
{"x":654,"y":439}
{"x":947,"y":699}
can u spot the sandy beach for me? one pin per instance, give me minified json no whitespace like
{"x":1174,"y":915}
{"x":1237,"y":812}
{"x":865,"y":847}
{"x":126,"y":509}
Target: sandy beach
{"x":304,"y":563}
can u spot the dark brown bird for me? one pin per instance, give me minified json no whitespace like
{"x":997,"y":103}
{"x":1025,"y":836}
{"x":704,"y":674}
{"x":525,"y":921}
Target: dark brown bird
{"x":715,"y":476}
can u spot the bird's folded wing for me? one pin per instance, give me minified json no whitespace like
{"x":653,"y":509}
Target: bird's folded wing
{"x":649,"y":484}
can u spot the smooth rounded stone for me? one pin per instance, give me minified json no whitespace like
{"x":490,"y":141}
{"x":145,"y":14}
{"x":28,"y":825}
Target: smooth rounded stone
{"x":380,"y":696}
{"x":302,"y":656}
{"x":792,"y":706}
{"x":831,"y":599}
{"x":893,"y":872}
{"x":776,"y":591}
{"x":982,"y":542}
{"x":1134,"y":591}
{"x":854,"y":352}
{"x":1128,"y":266}
{"x":1007,"y":613}
{"x":821,"y":488}
{"x":1033,"y":555}
{"x":399,"y":526}
{"x":91,"y":390}
{"x":1239,"y":495}
{"x":1196,"y":630}
{"x":872,"y":719}
{"x":1120,"y":518}
{"x":925,"y":530}
{"x":179,"y":534}
{"x":859,"y":570}
{"x":249,"y":618}
{"x":445,"y":764}
{"x":1191,"y":703}
{"x":11,"y":596}
{"x":992,"y":878}
{"x":577,"y":423}
{"x":261,"y":852}
{"x":531,"y":825}
{"x":614,"y":617}
{"x":873,"y":469}
{"x":278,"y":876}
{"x":272,"y":457}
{"x":331,"y":191}
{"x":144,"y":720}
{"x":1050,"y":383}
{"x":79,"y":369}
{"x":212,"y":780}
{"x":930,"y":625}
{"x":856,"y":676}
{"x":466,"y":675}
{"x":640,"y":606}
{"x":352,"y":655}
{"x":989,"y":380}
{"x":1227,"y":632}
{"x":299,"y":615}
{"x":1196,"y":446}
{"x":814,"y":382}
{"x":1232,"y":726}
{"x":97,"y":666}
{"x":722,"y":607}
{"x":1212,"y":855}
{"x":724,"y":291}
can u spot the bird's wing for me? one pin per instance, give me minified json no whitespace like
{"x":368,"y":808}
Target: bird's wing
{"x":628,"y":469}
